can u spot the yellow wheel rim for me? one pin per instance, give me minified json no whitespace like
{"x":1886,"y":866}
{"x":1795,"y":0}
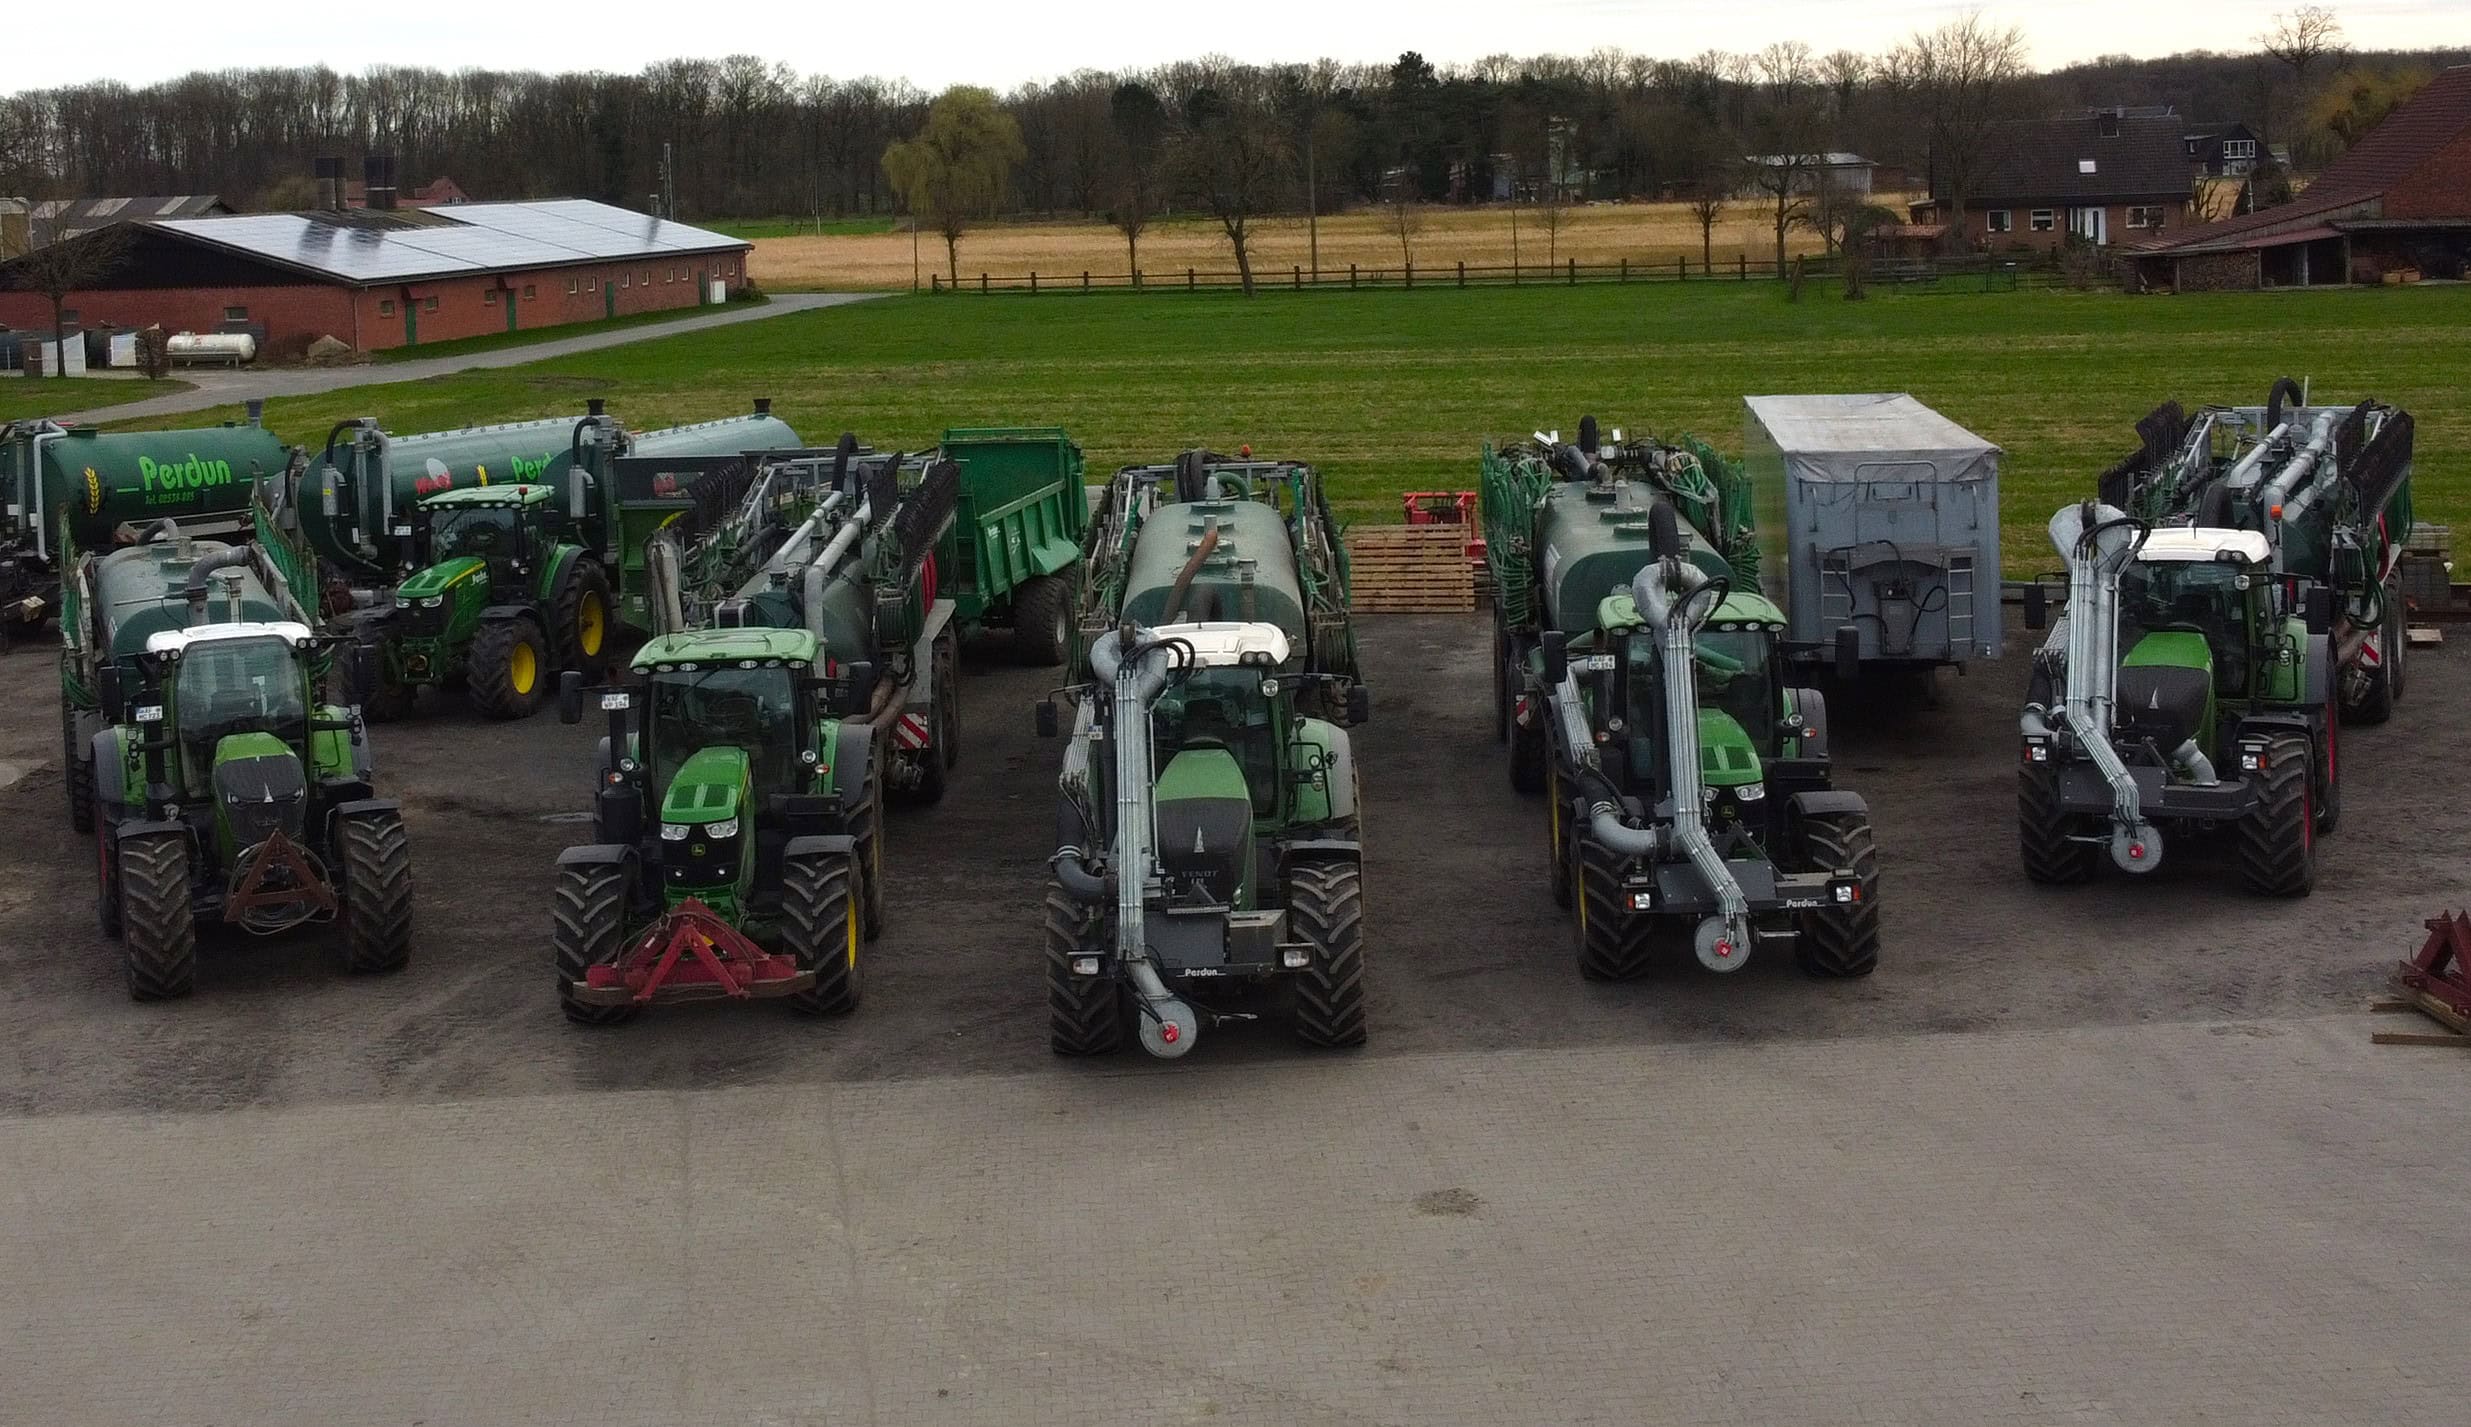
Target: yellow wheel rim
{"x":522,"y":668}
{"x":591,"y":622}
{"x":851,"y":915}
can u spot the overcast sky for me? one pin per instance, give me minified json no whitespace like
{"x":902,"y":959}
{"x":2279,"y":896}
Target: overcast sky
{"x":1002,"y":42}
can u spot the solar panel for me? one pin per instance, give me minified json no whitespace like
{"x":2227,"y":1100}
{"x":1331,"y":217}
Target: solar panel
{"x":477,"y":237}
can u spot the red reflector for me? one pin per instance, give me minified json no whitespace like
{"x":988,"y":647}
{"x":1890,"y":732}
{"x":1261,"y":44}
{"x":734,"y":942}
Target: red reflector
{"x":2136,"y":850}
{"x":1724,"y":949}
{"x":1857,"y":891}
{"x":1170,"y":1032}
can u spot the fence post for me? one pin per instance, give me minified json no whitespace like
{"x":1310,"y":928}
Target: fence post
{"x":1136,"y":279}
{"x":935,"y":282}
{"x":1462,"y":272}
{"x":1681,"y":269}
{"x":1033,"y":279}
{"x":1743,"y":259}
{"x":1188,"y":280}
{"x":982,"y":284}
{"x":1085,"y":279}
{"x":1351,"y":275}
{"x":1299,"y":277}
{"x":1625,"y":277}
{"x":1411,"y":272}
{"x":1574,"y":272}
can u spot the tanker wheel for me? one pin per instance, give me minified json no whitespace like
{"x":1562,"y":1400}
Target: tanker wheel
{"x":587,"y":927}
{"x":948,"y":699}
{"x":1501,"y":685}
{"x":1528,"y":753}
{"x":585,"y":620}
{"x":1841,"y":940}
{"x":1086,"y":1015}
{"x":2327,"y":773}
{"x":2276,"y":842}
{"x":509,"y":670}
{"x":2375,"y":702}
{"x":377,"y":892}
{"x":158,"y":924}
{"x":76,"y":772}
{"x":1325,"y":901}
{"x":2397,"y":644}
{"x":866,"y":829}
{"x":1042,"y":621}
{"x":1613,"y":944}
{"x":2043,"y":842}
{"x":819,"y":930}
{"x":106,"y":883}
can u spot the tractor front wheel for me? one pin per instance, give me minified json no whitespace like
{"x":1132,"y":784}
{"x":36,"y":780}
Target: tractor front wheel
{"x":1613,"y":943}
{"x":587,"y":929}
{"x":158,"y":924}
{"x":2043,"y":843}
{"x":819,"y":929}
{"x":1085,"y":1014}
{"x":2277,"y":849}
{"x":1325,"y":903}
{"x":1841,"y":939}
{"x":76,"y":772}
{"x":1042,"y":621}
{"x":585,"y":620}
{"x":509,"y":669}
{"x":377,"y":893}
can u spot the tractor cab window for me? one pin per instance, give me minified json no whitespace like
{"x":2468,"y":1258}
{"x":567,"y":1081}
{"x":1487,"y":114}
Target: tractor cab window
{"x":1224,"y":708}
{"x":2200,"y":596}
{"x":1643,"y":711}
{"x":489,"y":532}
{"x":751,"y":709}
{"x":229,"y":686}
{"x":1732,"y":667}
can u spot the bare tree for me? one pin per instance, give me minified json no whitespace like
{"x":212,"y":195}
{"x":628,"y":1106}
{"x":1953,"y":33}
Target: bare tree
{"x":1233,"y":155}
{"x":1961,"y":78}
{"x":59,"y":268}
{"x":1402,"y":215}
{"x":2299,"y":40}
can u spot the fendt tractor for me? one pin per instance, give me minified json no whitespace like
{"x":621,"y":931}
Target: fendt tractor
{"x":1643,"y":685}
{"x":223,"y":790}
{"x":492,"y":557}
{"x":72,"y":488}
{"x":2328,"y":487}
{"x":737,"y":848}
{"x":1208,"y":838}
{"x":2189,"y":684}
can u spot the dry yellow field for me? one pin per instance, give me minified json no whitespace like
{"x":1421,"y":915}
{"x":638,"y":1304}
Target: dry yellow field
{"x":1644,"y":233}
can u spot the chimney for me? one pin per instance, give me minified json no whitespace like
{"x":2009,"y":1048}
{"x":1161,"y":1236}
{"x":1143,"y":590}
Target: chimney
{"x":377,"y":173}
{"x":329,"y":185}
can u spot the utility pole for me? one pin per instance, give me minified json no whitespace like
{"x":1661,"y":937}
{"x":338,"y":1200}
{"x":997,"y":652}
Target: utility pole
{"x":669,"y":184}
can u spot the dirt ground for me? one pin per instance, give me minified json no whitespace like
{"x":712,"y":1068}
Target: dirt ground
{"x":1468,"y":951}
{"x":1591,"y":233}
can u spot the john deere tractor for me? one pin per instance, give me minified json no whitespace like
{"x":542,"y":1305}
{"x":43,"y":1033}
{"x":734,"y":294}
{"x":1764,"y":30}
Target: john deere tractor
{"x":2189,"y":686}
{"x":224,"y":791}
{"x":1689,"y":792}
{"x":1208,"y":861}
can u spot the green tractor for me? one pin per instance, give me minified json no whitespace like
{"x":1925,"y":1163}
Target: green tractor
{"x":223,"y":791}
{"x":1208,"y":854}
{"x":2188,"y":685}
{"x":1689,"y":792}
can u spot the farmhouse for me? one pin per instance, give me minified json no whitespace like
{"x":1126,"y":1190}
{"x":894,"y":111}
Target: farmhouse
{"x":2398,"y":203}
{"x":390,"y":277}
{"x":2100,"y":175}
{"x":2222,"y":150}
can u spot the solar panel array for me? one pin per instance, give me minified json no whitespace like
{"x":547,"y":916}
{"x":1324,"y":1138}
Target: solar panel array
{"x":478,"y":238}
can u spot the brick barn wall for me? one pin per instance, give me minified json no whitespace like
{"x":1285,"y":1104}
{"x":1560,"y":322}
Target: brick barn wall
{"x":314,"y":311}
{"x":2438,"y":188}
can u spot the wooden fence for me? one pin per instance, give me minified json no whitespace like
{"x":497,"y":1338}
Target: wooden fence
{"x":1959,"y":274}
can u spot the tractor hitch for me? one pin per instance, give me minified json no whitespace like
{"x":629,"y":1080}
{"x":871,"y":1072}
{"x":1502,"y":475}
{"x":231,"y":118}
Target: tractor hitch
{"x":691,"y":954}
{"x":2442,"y":969}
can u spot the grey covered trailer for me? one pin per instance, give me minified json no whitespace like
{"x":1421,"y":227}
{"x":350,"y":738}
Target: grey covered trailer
{"x":1877,"y":514}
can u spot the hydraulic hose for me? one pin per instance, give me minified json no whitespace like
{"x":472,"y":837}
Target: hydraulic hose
{"x":1676,"y":597}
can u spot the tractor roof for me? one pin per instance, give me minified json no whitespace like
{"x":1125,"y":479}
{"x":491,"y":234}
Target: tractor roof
{"x":2186,"y":543}
{"x":511,"y":497}
{"x":1741,"y":609}
{"x":176,"y":641}
{"x":1220,"y":644}
{"x":726,"y":646}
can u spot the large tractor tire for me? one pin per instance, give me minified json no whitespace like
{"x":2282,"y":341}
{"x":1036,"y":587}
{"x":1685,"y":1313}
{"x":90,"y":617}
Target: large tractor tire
{"x":510,"y":669}
{"x":1325,"y":903}
{"x":585,"y":620}
{"x":2373,"y":704}
{"x":2276,"y":842}
{"x":2043,"y":843}
{"x":1042,"y":621}
{"x":588,"y":927}
{"x":76,"y":772}
{"x":1559,"y":828}
{"x":819,"y":929}
{"x":943,"y":731}
{"x":1501,"y":685}
{"x":866,"y":828}
{"x":106,"y":883}
{"x":2397,"y":642}
{"x":2326,"y":773}
{"x":1085,"y":1014}
{"x":158,"y":939}
{"x":1528,"y":754}
{"x":1612,"y":943}
{"x":1841,"y":941}
{"x":376,"y":855}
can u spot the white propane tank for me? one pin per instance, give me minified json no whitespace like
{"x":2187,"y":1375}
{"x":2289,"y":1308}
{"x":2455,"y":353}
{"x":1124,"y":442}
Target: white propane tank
{"x":233,"y":347}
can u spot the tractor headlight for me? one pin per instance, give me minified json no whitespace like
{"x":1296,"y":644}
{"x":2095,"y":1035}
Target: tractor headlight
{"x":1750,"y":792}
{"x":726,"y":827}
{"x":433,"y":602}
{"x":675,"y":832}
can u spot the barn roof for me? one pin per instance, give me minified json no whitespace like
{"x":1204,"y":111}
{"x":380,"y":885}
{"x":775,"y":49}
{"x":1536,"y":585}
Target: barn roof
{"x":59,"y":218}
{"x":2073,"y":158}
{"x":365,"y":248}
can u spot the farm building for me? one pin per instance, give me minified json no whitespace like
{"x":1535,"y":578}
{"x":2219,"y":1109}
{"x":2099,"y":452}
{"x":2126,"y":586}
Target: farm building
{"x":2222,"y":150}
{"x":379,"y":278}
{"x":1845,"y":173}
{"x":2398,"y":203}
{"x":2102,"y":175}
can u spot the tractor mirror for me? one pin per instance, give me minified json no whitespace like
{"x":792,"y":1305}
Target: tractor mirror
{"x":2317,"y":609}
{"x":570,"y":696}
{"x":107,"y":692}
{"x":1848,"y":652}
{"x":2037,"y":606}
{"x":1046,"y":718}
{"x":1556,"y":657}
{"x":1359,"y":704}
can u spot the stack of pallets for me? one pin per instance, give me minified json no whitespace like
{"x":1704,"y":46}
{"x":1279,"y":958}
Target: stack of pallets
{"x":1410,"y":569}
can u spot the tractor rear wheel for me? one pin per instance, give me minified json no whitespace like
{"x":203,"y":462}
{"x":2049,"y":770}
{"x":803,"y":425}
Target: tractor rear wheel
{"x":2277,"y":847}
{"x":1042,"y":621}
{"x":587,"y":928}
{"x":1559,"y":829}
{"x":1841,"y":940}
{"x":585,"y":619}
{"x":76,"y":772}
{"x":1613,"y":943}
{"x":819,"y":929}
{"x":158,"y":924}
{"x":1085,"y":1014}
{"x":377,"y":892}
{"x":1325,"y":902}
{"x":509,"y":668}
{"x":2043,"y":843}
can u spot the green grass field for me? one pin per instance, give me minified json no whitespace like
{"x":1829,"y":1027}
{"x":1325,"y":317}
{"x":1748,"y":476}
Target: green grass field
{"x":1393,"y":391}
{"x":44,"y":396}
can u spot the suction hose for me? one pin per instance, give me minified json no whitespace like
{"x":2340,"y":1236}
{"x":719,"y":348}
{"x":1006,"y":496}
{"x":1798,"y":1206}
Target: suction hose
{"x":1139,"y":665}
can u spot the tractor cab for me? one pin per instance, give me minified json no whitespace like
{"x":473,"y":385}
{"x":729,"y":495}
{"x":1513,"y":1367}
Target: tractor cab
{"x":2195,"y":615}
{"x":1741,"y":701}
{"x":1220,"y":731}
{"x":498,"y":530}
{"x":232,"y":703}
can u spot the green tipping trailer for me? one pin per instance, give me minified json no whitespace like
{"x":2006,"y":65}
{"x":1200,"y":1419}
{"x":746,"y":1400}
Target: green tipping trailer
{"x":1015,"y":546}
{"x":69,"y":488}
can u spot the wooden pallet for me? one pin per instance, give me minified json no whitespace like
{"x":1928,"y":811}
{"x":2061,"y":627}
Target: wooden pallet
{"x":2457,"y":1032}
{"x":1410,"y":569}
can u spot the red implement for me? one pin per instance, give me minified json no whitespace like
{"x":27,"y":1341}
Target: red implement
{"x":691,"y":954}
{"x":279,"y":876}
{"x":2442,"y":970}
{"x":1447,"y":508}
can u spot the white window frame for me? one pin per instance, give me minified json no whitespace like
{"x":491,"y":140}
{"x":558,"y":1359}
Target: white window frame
{"x":2239,"y":148}
{"x":2044,"y":220}
{"x":1999,"y":220}
{"x":2145,"y":215}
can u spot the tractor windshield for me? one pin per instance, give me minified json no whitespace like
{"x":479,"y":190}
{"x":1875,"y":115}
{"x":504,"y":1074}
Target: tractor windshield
{"x":751,"y":709}
{"x":1733,"y":679}
{"x":228,"y":686}
{"x":482,"y":530}
{"x":2208,"y":597}
{"x":1224,"y":708}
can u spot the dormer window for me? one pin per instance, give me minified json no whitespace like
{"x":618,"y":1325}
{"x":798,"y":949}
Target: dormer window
{"x":2107,"y":125}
